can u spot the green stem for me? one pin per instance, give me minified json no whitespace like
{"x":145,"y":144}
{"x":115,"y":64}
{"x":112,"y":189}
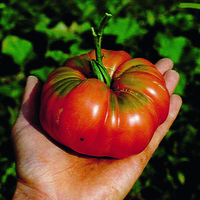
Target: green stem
{"x":97,"y":65}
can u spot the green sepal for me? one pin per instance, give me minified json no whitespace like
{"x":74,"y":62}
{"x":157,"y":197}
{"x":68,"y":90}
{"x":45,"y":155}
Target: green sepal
{"x":100,"y":72}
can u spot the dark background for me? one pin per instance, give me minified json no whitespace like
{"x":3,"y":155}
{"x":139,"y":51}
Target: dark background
{"x":38,"y":35}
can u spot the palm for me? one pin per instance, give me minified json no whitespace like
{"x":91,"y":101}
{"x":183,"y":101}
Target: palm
{"x":57,"y":171}
{"x":47,"y":163}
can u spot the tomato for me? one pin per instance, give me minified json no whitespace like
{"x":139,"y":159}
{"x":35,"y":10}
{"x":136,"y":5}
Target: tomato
{"x":92,"y":118}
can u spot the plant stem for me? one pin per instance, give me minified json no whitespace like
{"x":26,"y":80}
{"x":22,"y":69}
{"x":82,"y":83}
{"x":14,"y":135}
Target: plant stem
{"x":98,"y":69}
{"x":98,"y":36}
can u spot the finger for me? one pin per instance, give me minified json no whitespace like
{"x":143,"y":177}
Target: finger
{"x":140,"y":160}
{"x":171,"y":78}
{"x":175,"y":105}
{"x":161,"y":131}
{"x":164,"y":65}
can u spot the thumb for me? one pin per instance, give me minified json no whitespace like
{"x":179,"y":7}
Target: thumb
{"x":29,"y":111}
{"x":30,"y":96}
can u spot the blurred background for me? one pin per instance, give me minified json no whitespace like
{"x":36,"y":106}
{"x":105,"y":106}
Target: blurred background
{"x":37,"y":36}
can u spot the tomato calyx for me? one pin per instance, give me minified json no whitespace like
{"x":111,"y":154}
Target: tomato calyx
{"x":99,"y":71}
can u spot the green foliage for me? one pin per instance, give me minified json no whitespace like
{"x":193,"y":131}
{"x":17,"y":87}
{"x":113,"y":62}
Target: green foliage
{"x":190,"y":5}
{"x":171,"y":47}
{"x":17,"y":48}
{"x":38,"y":36}
{"x":42,"y":72}
{"x":129,"y":28}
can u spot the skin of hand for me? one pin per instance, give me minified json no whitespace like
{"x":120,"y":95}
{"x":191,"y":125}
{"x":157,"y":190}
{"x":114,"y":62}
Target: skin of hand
{"x":47,"y":170}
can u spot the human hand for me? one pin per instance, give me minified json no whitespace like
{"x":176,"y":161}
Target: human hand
{"x":47,"y":170}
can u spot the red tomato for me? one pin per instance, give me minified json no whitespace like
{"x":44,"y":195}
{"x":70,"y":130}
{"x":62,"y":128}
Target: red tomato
{"x":83,"y":113}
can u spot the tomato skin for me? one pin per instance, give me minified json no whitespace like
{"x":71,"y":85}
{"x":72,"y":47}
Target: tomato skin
{"x":86,"y":115}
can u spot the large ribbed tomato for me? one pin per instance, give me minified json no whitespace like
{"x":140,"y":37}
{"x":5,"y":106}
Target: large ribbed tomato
{"x":83,"y":113}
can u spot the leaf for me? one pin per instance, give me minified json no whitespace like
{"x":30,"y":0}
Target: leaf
{"x":57,"y":55}
{"x":2,"y":5}
{"x":190,"y":5}
{"x":197,"y":68}
{"x":171,"y":47}
{"x":60,"y":31}
{"x":13,"y":90}
{"x":150,"y":17}
{"x":181,"y":177}
{"x":181,"y":85}
{"x":9,"y":172}
{"x":18,"y":48}
{"x":42,"y":73}
{"x":8,"y":17}
{"x":128,"y":27}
